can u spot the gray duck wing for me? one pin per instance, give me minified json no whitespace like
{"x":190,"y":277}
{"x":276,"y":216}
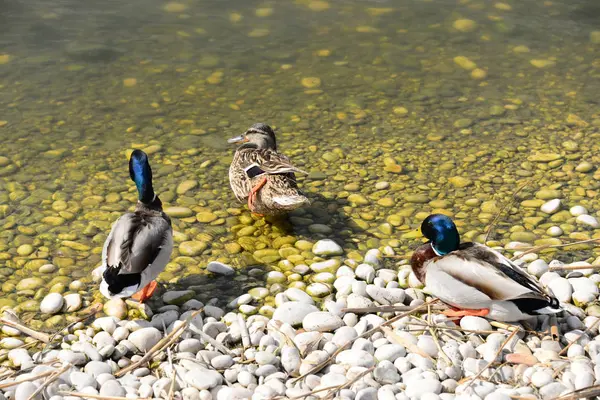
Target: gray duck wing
{"x":508,"y":269}
{"x":136,"y":241}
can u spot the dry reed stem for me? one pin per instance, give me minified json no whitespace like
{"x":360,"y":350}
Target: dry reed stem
{"x":573,"y":267}
{"x":163,"y":343}
{"x":48,"y":381}
{"x":508,"y":204}
{"x":42,"y":337}
{"x":553,"y":246}
{"x":383,"y":309}
{"x":99,"y":397}
{"x":318,"y":367}
{"x":588,"y":392}
{"x":413,"y":348}
{"x":28,"y":379}
{"x":94,"y":309}
{"x":349,"y":383}
{"x":489,"y":364}
{"x":592,"y":327}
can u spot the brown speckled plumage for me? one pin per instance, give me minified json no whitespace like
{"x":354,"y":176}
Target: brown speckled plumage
{"x":280,"y":193}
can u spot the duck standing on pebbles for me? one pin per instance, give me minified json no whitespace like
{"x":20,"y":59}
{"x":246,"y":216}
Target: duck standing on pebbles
{"x":474,"y":279}
{"x":263,"y":176}
{"x":139,"y":244}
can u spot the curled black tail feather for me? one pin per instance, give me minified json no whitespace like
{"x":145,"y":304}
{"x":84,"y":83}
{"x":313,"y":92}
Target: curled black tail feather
{"x":530,"y":306}
{"x":117,"y":282}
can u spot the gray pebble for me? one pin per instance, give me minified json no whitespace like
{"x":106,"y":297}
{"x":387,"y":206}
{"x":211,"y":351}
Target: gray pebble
{"x":146,"y":338}
{"x":26,"y":389}
{"x":222,"y":361}
{"x":96,"y":368}
{"x":112,"y":389}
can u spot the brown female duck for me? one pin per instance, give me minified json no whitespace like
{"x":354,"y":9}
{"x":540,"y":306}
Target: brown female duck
{"x":262,"y":176}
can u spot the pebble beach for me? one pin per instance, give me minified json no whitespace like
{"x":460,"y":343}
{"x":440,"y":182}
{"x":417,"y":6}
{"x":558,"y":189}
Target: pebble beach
{"x":340,"y":347}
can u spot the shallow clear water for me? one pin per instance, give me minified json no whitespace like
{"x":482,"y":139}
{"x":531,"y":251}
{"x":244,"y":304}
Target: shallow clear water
{"x":455,"y":104}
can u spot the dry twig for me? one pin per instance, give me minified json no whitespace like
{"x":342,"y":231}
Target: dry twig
{"x":588,"y":393}
{"x":28,"y":379}
{"x":42,"y":337}
{"x":96,"y":396}
{"x":383,"y":309}
{"x":331,"y":395}
{"x":588,"y":330}
{"x":162,"y":344}
{"x":48,"y":381}
{"x":318,"y":367}
{"x":489,"y":364}
{"x":508,"y":204}
{"x":553,"y":246}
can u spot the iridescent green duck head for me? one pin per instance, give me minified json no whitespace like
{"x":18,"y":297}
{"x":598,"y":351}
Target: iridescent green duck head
{"x":141,"y":173}
{"x":442,"y":232}
{"x":258,"y":136}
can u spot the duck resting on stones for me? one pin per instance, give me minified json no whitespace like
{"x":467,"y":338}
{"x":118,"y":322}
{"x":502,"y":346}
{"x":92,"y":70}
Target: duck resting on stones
{"x":140,"y":242}
{"x":474,"y":279}
{"x":262,"y":176}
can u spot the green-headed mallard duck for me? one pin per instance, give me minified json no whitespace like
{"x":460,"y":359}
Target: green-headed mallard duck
{"x":263,"y":176}
{"x":474,"y":279}
{"x":140,"y":243}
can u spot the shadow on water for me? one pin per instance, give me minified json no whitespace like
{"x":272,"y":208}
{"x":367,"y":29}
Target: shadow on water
{"x":324,"y":218}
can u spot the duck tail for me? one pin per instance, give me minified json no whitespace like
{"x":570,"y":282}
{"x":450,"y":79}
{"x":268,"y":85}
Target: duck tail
{"x":116,"y":283}
{"x":553,"y":307}
{"x":291,"y":201}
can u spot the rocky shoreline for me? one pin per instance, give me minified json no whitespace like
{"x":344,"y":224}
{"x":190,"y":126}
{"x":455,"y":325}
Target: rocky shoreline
{"x":352,"y":345}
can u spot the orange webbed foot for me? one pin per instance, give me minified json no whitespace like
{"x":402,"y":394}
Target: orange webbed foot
{"x":463,"y":313}
{"x":146,"y":292}
{"x":253,"y":194}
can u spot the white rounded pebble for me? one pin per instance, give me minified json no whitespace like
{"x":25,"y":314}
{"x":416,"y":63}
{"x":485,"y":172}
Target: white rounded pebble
{"x":222,"y":361}
{"x":541,"y":378}
{"x":355,"y":358}
{"x":576,"y":211}
{"x":417,"y":387}
{"x":112,"y":389}
{"x":295,"y":294}
{"x":368,"y":393}
{"x":365,"y":272}
{"x":552,"y":390}
{"x":52,"y":303}
{"x":588,"y":220}
{"x":290,"y":359}
{"x":344,"y":335}
{"x":219,"y":268}
{"x":25,"y":390}
{"x":554,"y":231}
{"x":550,"y":207}
{"x":202,"y":378}
{"x":475,"y":323}
{"x":583,"y":285}
{"x":293,"y":312}
{"x":327,"y":247}
{"x":146,"y":338}
{"x":11,"y":343}
{"x":537,"y":268}
{"x":72,"y":303}
{"x":96,"y":368}
{"x":497,"y":395}
{"x":321,"y":321}
{"x":561,"y":288}
{"x":390,"y":352}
